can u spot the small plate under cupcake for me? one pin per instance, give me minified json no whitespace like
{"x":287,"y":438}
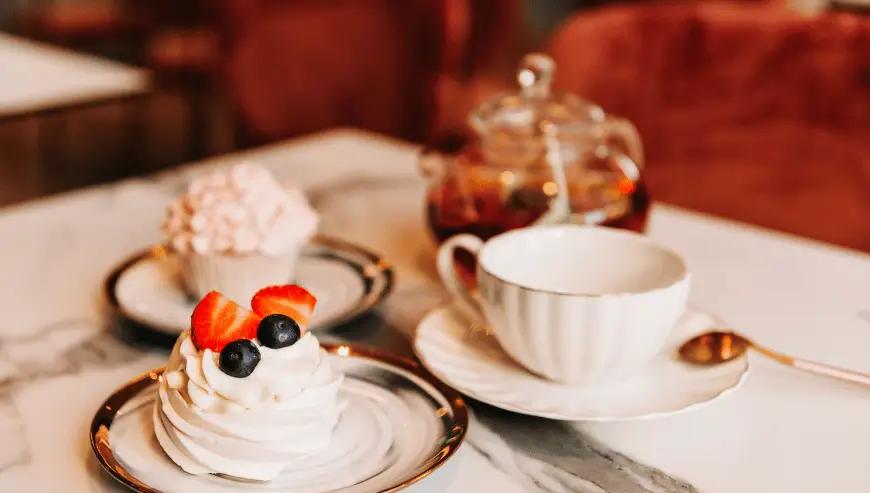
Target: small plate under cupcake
{"x":573,"y":323}
{"x":251,"y":401}
{"x":236,"y":230}
{"x":348,"y":281}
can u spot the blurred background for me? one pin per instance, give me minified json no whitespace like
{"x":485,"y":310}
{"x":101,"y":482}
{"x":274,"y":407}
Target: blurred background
{"x":754,"y":110}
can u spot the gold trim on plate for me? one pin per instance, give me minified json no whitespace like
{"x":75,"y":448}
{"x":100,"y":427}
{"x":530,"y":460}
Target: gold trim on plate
{"x":105,"y":415}
{"x":377,"y":267}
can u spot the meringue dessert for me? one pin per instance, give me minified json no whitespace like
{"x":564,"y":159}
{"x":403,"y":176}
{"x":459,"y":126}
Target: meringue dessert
{"x":246,"y":392}
{"x":238,"y":230}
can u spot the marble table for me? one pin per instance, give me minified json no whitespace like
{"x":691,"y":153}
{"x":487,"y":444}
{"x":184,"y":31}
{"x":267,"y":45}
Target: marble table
{"x":37,"y":77}
{"x":784,"y":431}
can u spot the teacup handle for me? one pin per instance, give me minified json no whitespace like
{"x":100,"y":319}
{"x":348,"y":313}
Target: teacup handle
{"x":464,"y":299}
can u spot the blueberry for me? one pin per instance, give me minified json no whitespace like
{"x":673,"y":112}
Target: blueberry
{"x":239,"y":358}
{"x":277,"y":331}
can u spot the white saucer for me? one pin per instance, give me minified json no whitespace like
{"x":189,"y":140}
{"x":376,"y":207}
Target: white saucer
{"x":473,"y":363}
{"x":347,"y":281}
{"x":399,"y":427}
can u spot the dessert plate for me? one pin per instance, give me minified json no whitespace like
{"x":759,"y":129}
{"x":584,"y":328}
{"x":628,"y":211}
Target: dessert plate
{"x":472,"y":362}
{"x":400,"y":426}
{"x":346,"y":279}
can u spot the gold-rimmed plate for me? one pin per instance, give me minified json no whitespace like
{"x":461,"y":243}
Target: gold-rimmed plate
{"x":426,"y":420}
{"x":347,"y":280}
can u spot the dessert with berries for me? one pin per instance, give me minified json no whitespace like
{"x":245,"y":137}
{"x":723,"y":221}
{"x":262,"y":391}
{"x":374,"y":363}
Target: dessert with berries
{"x":246,"y":392}
{"x":238,"y":230}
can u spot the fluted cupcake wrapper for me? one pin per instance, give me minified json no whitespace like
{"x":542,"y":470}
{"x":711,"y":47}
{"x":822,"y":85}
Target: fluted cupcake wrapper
{"x":238,"y":277}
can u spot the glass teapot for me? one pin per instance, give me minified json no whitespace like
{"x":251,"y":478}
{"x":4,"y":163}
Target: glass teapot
{"x":535,"y":151}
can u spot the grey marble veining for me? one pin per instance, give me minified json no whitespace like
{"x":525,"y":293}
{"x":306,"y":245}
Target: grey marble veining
{"x":62,"y":348}
{"x":553,"y":457}
{"x":15,"y":451}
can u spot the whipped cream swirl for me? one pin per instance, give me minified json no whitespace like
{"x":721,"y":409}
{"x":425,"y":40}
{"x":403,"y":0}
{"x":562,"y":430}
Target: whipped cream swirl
{"x":209,"y":422}
{"x":244,"y":210}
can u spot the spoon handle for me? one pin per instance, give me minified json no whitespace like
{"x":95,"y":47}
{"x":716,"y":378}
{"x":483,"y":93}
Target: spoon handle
{"x":831,"y":371}
{"x":817,"y":368}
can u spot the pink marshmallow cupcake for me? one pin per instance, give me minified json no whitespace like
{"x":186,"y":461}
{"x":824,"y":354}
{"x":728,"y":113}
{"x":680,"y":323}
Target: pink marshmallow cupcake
{"x":237,"y":231}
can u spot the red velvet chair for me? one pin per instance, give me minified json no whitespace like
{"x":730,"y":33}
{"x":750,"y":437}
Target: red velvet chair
{"x":749,"y":112}
{"x":299,"y":66}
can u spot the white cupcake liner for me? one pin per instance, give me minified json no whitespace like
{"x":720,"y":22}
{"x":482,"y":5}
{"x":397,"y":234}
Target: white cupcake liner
{"x":238,"y":277}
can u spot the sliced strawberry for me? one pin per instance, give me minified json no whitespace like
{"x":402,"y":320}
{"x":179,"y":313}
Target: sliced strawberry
{"x":218,"y":321}
{"x":294,"y":301}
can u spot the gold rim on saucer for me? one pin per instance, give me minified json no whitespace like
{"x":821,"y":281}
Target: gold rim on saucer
{"x":108,"y":411}
{"x":375,"y":272}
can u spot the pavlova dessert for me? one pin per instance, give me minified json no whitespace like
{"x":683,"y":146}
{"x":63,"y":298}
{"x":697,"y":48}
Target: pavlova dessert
{"x":248,"y":391}
{"x":238,"y":230}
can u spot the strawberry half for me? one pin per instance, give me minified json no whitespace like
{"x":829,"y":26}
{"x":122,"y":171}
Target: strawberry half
{"x":218,"y":321}
{"x":294,"y":301}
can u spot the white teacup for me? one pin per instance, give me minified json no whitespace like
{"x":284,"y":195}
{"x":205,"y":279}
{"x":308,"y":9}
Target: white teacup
{"x":574,"y":304}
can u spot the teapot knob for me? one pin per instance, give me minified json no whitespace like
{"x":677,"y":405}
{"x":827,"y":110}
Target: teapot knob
{"x":535,"y":75}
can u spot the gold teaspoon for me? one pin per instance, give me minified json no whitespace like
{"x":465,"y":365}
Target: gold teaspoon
{"x":713,"y":348}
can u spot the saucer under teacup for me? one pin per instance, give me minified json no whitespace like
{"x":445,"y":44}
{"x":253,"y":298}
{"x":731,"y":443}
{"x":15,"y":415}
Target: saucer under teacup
{"x":470,"y":360}
{"x":401,"y":426}
{"x":347,"y":280}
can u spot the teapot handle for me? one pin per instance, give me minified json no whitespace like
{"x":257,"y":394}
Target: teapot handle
{"x":621,"y":134}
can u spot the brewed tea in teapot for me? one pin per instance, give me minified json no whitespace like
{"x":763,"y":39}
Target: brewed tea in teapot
{"x":505,"y":178}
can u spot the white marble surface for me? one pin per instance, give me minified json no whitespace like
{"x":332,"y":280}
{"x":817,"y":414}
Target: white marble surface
{"x":35,"y":76}
{"x":783,"y":432}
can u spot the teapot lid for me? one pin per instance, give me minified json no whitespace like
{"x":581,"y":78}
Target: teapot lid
{"x":535,"y":106}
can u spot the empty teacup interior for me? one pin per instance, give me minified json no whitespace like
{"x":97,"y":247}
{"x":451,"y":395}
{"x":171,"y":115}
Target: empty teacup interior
{"x":581,"y":260}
